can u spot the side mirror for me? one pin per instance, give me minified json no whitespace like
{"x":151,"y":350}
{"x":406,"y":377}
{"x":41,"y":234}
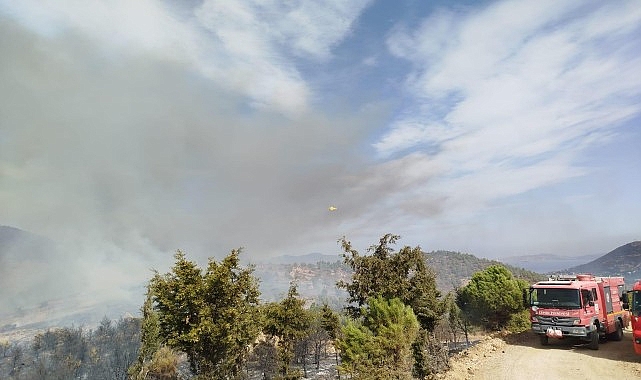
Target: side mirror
{"x":625,"y":300}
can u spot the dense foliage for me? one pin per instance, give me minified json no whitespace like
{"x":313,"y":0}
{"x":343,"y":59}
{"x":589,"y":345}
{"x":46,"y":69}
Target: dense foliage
{"x":288,"y":321}
{"x":492,"y":297}
{"x":379,"y":346}
{"x":154,"y":359}
{"x":403,"y":275}
{"x":210,"y":316}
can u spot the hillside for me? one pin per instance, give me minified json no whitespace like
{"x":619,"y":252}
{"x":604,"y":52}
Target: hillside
{"x":315,"y":281}
{"x":18,"y":244}
{"x":318,"y":280}
{"x":622,"y":261}
{"x":453,"y":269}
{"x":26,"y":260}
{"x":35,"y":296}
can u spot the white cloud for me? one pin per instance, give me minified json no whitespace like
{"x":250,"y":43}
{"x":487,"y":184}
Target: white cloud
{"x":306,"y":28}
{"x":143,"y":25}
{"x":245,"y":46}
{"x":313,"y":27}
{"x":408,"y":133}
{"x":261,"y":36}
{"x":512,"y":94}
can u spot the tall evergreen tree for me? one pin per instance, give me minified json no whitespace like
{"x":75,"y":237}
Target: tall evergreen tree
{"x":289,"y":322}
{"x":404,"y":275}
{"x":330,"y":322}
{"x":150,"y":339}
{"x":211,"y":316}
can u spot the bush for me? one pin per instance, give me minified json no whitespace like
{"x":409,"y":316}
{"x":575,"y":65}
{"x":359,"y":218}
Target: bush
{"x":380,"y":345}
{"x":164,"y":365}
{"x":519,"y":322}
{"x":431,"y":356}
{"x":492,"y":297}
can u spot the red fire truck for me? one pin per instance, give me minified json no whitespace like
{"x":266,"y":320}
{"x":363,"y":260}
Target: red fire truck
{"x":635,"y":310}
{"x":582,"y":306}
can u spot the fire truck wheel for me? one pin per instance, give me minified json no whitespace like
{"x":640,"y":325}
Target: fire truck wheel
{"x":544,"y":340}
{"x":594,"y":340}
{"x":617,"y":335}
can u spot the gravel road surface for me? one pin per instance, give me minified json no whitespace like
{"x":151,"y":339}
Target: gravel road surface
{"x":522,"y":357}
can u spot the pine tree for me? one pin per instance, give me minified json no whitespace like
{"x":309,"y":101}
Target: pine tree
{"x":330,"y":322}
{"x":492,"y":297}
{"x":289,"y":322}
{"x":150,"y":339}
{"x":380,"y":345}
{"x":403,"y":274}
{"x":211,"y":316}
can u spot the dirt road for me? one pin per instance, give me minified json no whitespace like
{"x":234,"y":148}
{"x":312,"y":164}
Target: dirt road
{"x":524,"y":358}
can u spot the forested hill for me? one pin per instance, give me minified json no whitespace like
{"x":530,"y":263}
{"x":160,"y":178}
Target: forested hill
{"x":453,"y":269}
{"x":318,"y":280}
{"x":622,"y":261}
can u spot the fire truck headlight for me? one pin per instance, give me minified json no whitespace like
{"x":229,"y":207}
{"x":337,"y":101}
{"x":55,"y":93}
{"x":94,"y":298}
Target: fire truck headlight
{"x":576,"y":322}
{"x":637,"y":340}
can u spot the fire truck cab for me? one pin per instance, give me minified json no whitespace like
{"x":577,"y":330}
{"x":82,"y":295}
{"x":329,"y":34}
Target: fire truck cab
{"x":582,"y":306}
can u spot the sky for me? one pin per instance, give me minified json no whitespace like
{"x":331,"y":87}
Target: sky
{"x":497,"y":128}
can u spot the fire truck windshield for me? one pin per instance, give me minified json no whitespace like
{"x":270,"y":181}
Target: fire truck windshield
{"x":635,"y":308}
{"x":557,"y":298}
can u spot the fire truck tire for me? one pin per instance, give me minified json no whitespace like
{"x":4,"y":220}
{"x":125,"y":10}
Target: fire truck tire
{"x":594,"y":340}
{"x":544,"y":340}
{"x":617,"y":335}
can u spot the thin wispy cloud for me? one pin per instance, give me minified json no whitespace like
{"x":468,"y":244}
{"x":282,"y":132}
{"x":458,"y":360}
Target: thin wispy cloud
{"x":515,"y":92}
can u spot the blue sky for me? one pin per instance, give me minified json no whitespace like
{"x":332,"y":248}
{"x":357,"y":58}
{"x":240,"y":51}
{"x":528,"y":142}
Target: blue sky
{"x":497,"y":128}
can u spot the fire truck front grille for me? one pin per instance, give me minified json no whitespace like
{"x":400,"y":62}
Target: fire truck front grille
{"x":556,"y":321}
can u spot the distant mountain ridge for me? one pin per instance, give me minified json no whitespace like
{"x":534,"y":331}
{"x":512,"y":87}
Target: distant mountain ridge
{"x":8,"y":235}
{"x":548,"y":263}
{"x":622,"y":261}
{"x":29,"y":244}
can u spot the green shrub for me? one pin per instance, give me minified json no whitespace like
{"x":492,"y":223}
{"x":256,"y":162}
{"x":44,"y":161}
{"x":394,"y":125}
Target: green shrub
{"x":519,"y":322}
